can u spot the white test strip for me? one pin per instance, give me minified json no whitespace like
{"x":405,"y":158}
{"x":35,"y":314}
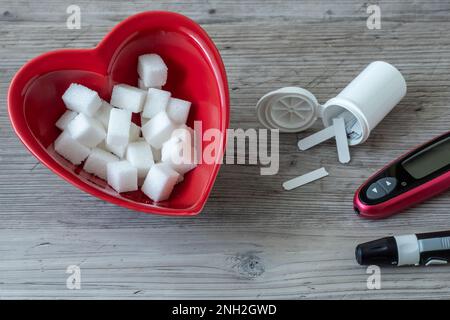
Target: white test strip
{"x":316,"y":138}
{"x":341,"y":140}
{"x":304,"y":179}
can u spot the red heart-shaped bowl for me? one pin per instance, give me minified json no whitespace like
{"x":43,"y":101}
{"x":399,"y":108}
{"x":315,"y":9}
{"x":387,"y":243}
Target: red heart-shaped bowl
{"x":196,"y":73}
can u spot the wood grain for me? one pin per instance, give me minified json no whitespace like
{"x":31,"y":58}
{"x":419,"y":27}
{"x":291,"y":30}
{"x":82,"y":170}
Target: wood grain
{"x":253,"y":240}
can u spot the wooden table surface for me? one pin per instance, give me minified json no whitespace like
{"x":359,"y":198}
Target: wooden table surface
{"x":252,"y":240}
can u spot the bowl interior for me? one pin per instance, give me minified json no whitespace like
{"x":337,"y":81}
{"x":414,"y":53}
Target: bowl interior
{"x":192,"y":75}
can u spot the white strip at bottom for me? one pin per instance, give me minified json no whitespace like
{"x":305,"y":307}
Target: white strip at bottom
{"x":341,"y":140}
{"x":304,"y":179}
{"x":316,"y":138}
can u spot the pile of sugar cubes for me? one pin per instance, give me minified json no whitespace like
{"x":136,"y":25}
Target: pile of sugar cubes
{"x":154,"y":156}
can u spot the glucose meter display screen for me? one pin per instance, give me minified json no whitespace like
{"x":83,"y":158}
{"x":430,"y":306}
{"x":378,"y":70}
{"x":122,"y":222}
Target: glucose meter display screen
{"x":429,"y":160}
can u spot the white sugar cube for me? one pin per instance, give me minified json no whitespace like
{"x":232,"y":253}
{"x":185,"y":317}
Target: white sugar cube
{"x":64,"y":120}
{"x":119,"y":127}
{"x":118,"y":150}
{"x":159,"y":183}
{"x":156,"y":154}
{"x":97,"y":161}
{"x":139,"y":154}
{"x":82,"y":99}
{"x":103,"y":113}
{"x":178,"y":110}
{"x":155,"y":102}
{"x":184,"y":133}
{"x":122,"y":176}
{"x":187,"y":135}
{"x":127,"y":97}
{"x":71,"y":149}
{"x":144,"y":120}
{"x":179,"y":155}
{"x":86,"y":130}
{"x":142,"y":85}
{"x":102,"y":145}
{"x":135,"y":132}
{"x":158,"y":129}
{"x":152,"y":70}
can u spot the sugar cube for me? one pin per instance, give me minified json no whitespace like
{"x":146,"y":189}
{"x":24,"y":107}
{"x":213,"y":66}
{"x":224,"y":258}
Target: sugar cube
{"x":135,"y":132}
{"x":81,"y":99}
{"x":144,"y":120}
{"x":180,"y":179}
{"x":71,"y":149}
{"x":64,"y":120}
{"x":156,"y":154}
{"x":155,"y":102}
{"x":139,"y":154}
{"x":122,"y":176}
{"x":127,"y":97}
{"x":142,"y":85}
{"x":97,"y":161}
{"x":119,"y":127}
{"x":178,"y":110}
{"x":152,"y":70}
{"x":102,"y":145}
{"x":103,"y":113}
{"x":118,"y":150}
{"x":187,"y":135}
{"x":179,"y":155}
{"x":159,"y":183}
{"x":184,"y":133}
{"x":158,"y":129}
{"x":86,"y":130}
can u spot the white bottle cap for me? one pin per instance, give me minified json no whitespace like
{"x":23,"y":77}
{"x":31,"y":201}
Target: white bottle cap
{"x":288,"y":109}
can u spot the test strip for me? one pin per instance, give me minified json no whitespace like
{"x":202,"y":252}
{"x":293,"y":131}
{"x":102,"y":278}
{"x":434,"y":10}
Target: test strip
{"x":341,"y":140}
{"x":304,"y":179}
{"x":351,"y":125}
{"x":316,"y":138}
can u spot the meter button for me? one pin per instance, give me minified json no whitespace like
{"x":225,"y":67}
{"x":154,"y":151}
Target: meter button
{"x":375,"y":191}
{"x":388,"y":184}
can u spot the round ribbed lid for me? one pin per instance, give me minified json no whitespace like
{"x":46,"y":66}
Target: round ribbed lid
{"x":288,"y":109}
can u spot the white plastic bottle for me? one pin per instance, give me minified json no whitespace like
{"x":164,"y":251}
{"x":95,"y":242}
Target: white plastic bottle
{"x":363,"y":103}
